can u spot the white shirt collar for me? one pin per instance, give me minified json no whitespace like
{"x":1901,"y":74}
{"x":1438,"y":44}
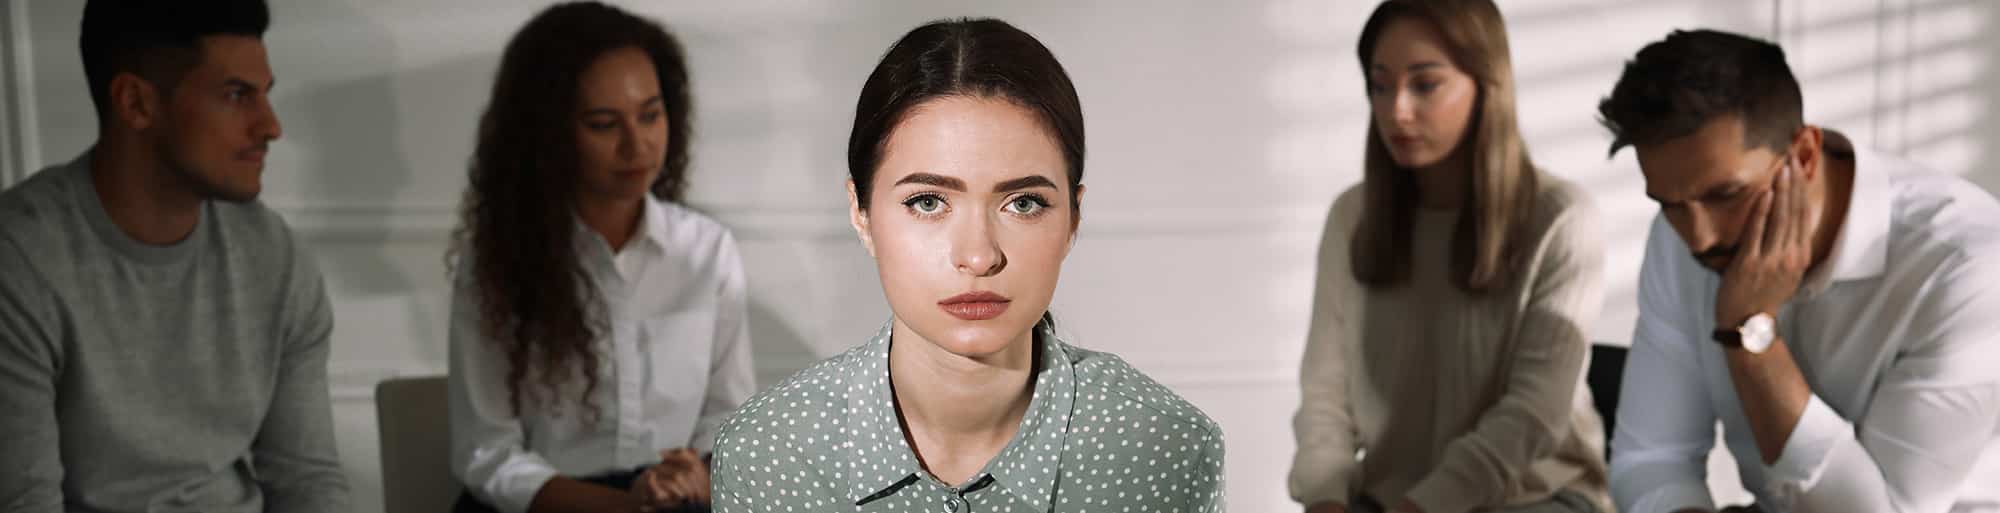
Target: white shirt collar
{"x":1861,"y":250}
{"x":653,"y":222}
{"x":652,"y":229}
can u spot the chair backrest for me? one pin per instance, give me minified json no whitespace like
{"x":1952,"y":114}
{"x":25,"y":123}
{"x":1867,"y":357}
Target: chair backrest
{"x":1606,"y":374}
{"x":415,"y":428}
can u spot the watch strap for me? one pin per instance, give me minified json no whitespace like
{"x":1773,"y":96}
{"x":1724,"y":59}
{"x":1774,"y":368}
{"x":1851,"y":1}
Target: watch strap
{"x":1728,"y":338}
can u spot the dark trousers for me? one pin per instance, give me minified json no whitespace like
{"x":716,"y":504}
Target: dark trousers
{"x":1563,"y":502}
{"x":619,"y":480}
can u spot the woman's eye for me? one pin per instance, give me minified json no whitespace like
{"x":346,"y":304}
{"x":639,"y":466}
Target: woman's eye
{"x":925,"y":204}
{"x":1026,"y":205}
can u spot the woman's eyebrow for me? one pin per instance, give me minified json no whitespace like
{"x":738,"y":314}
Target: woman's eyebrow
{"x":1024,"y":182}
{"x":934,"y":180}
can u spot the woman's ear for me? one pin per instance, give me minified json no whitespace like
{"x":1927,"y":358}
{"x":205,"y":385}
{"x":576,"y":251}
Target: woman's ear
{"x":858,"y":218}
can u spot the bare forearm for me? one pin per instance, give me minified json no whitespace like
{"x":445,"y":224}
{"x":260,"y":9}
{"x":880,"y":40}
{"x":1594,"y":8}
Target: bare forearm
{"x":565,"y":495}
{"x":1774,"y":395}
{"x":1775,"y":250}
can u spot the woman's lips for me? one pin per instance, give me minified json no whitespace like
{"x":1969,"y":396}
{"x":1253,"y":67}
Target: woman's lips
{"x":975,"y":306}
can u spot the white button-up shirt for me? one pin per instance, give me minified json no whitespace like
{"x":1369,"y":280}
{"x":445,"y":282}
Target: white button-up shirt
{"x":1897,"y":334}
{"x":674,"y":364}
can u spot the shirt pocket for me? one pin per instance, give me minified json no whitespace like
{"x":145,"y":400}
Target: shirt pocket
{"x":676,"y":348}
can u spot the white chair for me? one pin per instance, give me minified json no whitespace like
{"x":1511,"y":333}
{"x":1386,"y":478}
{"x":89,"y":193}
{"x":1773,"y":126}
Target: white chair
{"x":415,"y":428}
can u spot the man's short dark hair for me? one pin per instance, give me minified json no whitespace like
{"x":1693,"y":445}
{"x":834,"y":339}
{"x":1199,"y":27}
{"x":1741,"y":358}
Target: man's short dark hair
{"x":1677,"y":85}
{"x":158,"y":40}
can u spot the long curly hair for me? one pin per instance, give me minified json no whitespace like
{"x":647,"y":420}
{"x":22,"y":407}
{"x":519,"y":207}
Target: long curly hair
{"x":518,"y":218}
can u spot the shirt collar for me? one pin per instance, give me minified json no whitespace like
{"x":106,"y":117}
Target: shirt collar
{"x":1027,"y":467}
{"x":653,"y":222}
{"x":652,"y":229}
{"x":1861,"y":250}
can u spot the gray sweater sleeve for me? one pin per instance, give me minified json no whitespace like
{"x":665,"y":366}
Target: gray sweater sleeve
{"x":31,"y":479}
{"x":295,"y":455}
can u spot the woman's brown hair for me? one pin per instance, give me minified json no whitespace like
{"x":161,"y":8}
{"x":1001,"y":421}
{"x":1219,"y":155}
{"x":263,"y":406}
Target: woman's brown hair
{"x":518,"y":216}
{"x":1503,"y":178}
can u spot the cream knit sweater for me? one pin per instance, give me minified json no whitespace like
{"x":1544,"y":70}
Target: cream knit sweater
{"x":1454,"y":402}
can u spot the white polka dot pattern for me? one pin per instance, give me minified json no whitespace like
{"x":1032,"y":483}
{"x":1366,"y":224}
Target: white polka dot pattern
{"x":1098,"y":436}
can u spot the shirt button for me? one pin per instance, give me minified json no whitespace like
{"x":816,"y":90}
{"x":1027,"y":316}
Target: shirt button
{"x":1784,"y":495}
{"x":954,"y":504}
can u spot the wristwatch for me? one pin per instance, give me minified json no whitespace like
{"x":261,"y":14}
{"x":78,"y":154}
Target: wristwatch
{"x":1754,"y":336}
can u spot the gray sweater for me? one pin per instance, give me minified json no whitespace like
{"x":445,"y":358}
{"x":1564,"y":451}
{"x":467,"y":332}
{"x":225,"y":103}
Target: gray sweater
{"x":139,"y":378}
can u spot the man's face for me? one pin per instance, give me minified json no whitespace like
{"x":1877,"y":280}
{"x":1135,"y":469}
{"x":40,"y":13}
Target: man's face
{"x":1704,"y":183}
{"x":218,"y":120}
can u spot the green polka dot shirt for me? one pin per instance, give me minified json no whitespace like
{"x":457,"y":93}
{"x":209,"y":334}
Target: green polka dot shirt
{"x":1098,"y":436}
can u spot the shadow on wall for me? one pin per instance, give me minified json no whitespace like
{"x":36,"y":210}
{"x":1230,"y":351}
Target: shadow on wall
{"x":349,"y":130}
{"x":1987,"y":133}
{"x":363,"y":136}
{"x":1923,"y":92}
{"x":772,"y":114}
{"x":771,"y":336}
{"x":761,"y":115}
{"x":362,"y":181}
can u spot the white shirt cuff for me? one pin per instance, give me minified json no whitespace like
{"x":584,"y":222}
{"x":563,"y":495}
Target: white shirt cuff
{"x":513,"y":486}
{"x":1804,"y":459}
{"x":1675,"y":497}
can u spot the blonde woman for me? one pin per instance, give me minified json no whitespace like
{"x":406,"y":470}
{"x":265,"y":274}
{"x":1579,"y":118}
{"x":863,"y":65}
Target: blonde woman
{"x":1441,"y":372}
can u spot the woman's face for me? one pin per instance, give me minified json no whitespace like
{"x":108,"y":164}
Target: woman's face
{"x":1422,"y":102}
{"x":969,"y":220}
{"x":621,"y":126}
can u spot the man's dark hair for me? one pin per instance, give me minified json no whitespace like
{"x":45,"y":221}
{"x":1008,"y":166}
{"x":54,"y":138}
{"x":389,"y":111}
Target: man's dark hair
{"x":1676,"y":85}
{"x":158,"y":40}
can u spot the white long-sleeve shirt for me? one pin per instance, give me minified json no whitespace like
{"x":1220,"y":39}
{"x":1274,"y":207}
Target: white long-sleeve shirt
{"x":1897,"y":334}
{"x":674,"y":364}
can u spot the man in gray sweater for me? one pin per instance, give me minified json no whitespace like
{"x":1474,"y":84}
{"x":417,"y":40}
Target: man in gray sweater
{"x":163,"y":339}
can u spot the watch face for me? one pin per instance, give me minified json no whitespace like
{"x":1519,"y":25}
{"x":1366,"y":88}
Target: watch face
{"x":1758,"y":332}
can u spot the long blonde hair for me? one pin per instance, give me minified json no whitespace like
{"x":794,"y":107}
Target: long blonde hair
{"x":1503,"y":178}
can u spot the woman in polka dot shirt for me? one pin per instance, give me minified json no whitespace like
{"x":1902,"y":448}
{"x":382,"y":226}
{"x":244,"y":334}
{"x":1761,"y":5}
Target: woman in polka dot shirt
{"x":966,"y":167}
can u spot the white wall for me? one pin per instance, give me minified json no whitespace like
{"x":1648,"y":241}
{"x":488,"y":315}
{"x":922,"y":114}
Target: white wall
{"x":1219,"y":132}
{"x":16,"y":145}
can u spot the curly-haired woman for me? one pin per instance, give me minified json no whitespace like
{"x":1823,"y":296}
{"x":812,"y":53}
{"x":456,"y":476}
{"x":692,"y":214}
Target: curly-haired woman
{"x":598,"y":331}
